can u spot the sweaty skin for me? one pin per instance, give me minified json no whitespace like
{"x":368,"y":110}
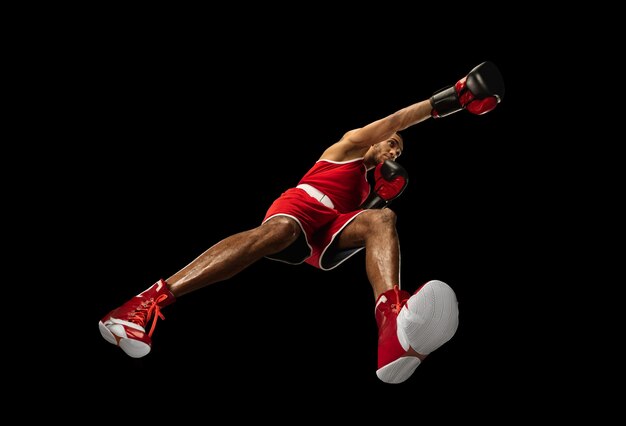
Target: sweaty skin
{"x":373,"y":229}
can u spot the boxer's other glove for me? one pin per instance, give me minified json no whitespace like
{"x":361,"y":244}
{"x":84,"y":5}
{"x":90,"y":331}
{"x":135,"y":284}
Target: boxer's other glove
{"x":478,"y":92}
{"x":390,"y":179}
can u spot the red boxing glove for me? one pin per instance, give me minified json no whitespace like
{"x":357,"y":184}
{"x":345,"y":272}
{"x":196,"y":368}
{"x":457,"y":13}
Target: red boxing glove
{"x":478,"y":92}
{"x":468,"y":100}
{"x":390,"y":179}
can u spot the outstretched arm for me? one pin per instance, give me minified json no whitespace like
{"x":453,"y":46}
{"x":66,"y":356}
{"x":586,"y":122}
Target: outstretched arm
{"x":384,"y":128}
{"x":479,"y":92}
{"x":356,"y":142}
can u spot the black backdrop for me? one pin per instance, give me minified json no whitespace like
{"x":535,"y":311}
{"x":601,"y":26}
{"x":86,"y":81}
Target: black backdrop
{"x":187,"y":136}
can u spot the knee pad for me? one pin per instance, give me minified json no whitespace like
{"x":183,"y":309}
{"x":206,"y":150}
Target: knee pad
{"x":429,"y":318}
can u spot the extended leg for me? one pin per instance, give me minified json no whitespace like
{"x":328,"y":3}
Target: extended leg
{"x":126,"y":325}
{"x":233,"y":254}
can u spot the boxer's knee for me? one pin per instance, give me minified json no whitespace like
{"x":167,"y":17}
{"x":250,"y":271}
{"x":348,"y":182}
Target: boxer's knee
{"x":279,"y":232}
{"x":380,"y":219}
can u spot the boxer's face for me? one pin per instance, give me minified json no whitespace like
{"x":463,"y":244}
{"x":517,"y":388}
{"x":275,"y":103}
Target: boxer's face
{"x":389,"y":149}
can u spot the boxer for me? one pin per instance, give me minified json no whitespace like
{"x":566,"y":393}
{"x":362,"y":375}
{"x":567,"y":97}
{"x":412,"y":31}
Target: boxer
{"x":326,"y":218}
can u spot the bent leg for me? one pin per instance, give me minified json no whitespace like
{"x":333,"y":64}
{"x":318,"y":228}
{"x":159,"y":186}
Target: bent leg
{"x":376,"y":231}
{"x":233,"y":254}
{"x":409,"y":326}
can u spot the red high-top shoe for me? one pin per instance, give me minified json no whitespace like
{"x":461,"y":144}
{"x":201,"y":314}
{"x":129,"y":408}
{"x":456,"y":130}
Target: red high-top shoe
{"x":410,"y":328}
{"x":395,"y":364}
{"x":125,"y":326}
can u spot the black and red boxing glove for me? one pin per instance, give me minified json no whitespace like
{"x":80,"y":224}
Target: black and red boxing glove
{"x":390,"y":179}
{"x":479,"y":92}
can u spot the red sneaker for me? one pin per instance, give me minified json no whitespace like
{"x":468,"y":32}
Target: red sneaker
{"x":124,"y":326}
{"x":395,"y":364}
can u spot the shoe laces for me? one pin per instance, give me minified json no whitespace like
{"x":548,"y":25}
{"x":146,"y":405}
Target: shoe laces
{"x":395,"y":307}
{"x":147,"y":310}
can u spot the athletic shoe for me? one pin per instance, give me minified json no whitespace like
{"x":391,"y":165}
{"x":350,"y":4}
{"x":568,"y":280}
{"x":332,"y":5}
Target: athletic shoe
{"x":410,"y":328}
{"x":395,"y":364}
{"x":125,"y":326}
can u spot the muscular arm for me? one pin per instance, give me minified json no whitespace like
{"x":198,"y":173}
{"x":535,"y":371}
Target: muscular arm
{"x":356,"y":142}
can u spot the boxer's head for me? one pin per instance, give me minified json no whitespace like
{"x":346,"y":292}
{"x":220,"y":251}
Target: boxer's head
{"x":389,"y":149}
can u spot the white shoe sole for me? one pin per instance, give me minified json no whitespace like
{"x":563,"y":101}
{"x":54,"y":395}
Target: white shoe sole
{"x":116,"y":335}
{"x":399,"y":370}
{"x":429,"y":319}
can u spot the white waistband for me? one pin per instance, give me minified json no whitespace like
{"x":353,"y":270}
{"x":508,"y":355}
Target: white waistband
{"x":317,"y":194}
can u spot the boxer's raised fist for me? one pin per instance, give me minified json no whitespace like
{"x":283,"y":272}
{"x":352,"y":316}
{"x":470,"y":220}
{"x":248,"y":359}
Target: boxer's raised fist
{"x":390,"y":179}
{"x":479,"y":92}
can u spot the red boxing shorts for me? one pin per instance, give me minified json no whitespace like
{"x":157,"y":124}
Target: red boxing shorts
{"x":320,"y":226}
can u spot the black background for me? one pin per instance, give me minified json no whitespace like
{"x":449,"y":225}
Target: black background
{"x":188,"y":131}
